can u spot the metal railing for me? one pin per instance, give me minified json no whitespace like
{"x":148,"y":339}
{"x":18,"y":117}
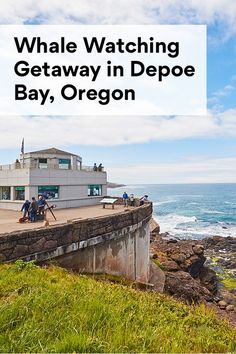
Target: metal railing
{"x":49,"y":166}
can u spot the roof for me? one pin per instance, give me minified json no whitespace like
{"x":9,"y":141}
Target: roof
{"x":52,"y":151}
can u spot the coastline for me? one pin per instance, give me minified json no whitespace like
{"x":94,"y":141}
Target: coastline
{"x":198,"y":271}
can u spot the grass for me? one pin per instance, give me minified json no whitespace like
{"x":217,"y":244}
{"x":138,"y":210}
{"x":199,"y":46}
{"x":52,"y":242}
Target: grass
{"x":229,"y":283}
{"x":158,"y":263}
{"x":52,"y":310}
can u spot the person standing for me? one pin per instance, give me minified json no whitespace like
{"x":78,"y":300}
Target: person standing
{"x":33,"y":210}
{"x":143,"y":200}
{"x":132,"y":200}
{"x":100,"y":167}
{"x":125,"y":198}
{"x":41,"y":204}
{"x":25,"y":209}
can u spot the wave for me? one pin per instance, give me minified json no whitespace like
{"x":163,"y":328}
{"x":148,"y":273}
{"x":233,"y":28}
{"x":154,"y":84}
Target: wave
{"x":190,"y":227}
{"x":188,"y":195}
{"x":208,"y":211}
{"x":164,"y":202}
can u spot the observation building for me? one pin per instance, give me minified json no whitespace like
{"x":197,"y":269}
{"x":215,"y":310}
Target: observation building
{"x":57,"y":175}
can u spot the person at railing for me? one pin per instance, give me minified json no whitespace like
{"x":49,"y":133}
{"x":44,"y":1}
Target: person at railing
{"x":143,"y":200}
{"x":25,"y":209}
{"x":95,"y":168}
{"x":33,"y":210}
{"x":100,"y":167}
{"x":41,"y":204}
{"x":125,"y":198}
{"x":132,"y":200}
{"x":17,"y":164}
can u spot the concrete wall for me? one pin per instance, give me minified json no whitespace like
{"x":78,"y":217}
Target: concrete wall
{"x":73,"y":185}
{"x":115,"y":244}
{"x":124,"y":252}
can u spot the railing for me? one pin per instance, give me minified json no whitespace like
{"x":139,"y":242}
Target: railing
{"x":35,"y":165}
{"x":91,"y":169}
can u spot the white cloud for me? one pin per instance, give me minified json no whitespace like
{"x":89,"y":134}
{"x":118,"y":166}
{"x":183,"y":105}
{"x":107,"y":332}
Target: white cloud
{"x":123,"y":12}
{"x":112,"y":130}
{"x":225,"y":91}
{"x":200,"y":170}
{"x":215,"y":99}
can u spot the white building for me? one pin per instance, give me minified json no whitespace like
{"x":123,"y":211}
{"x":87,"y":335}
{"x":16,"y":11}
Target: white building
{"x":55,"y":174}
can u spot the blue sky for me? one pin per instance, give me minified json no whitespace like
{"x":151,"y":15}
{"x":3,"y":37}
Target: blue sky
{"x":147,"y":149}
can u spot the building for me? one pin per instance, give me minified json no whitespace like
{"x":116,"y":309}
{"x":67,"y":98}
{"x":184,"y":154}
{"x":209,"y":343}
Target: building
{"x":57,"y":175}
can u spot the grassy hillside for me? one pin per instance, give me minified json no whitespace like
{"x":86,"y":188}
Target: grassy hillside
{"x":51,"y":310}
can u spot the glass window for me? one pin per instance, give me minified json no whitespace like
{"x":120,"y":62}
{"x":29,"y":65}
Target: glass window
{"x":43,"y":163}
{"x":94,"y":190}
{"x":19,"y":193}
{"x":64,"y":164}
{"x":49,"y":192}
{"x":5,"y":193}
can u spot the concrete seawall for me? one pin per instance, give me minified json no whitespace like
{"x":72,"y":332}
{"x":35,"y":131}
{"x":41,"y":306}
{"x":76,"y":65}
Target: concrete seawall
{"x":115,"y":244}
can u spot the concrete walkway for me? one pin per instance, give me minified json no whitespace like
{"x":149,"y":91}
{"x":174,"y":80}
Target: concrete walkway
{"x":9,"y":219}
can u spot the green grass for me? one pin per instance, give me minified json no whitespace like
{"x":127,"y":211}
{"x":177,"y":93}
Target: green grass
{"x":229,"y":283}
{"x":158,"y":263}
{"x":52,"y":310}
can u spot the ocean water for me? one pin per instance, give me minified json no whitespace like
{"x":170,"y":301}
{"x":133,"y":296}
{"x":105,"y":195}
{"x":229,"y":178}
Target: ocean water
{"x":190,"y":211}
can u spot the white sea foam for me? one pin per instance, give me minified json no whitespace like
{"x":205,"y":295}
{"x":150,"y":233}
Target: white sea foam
{"x":208,"y":211}
{"x":190,"y":227}
{"x":164,"y":202}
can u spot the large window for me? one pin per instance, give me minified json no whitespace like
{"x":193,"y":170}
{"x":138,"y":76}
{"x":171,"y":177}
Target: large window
{"x":94,"y":190}
{"x":43,"y":163}
{"x":64,"y":164}
{"x":49,"y":192}
{"x":5,"y":193}
{"x":19,"y":193}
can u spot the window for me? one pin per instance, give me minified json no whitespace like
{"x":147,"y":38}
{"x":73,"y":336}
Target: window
{"x":5,"y":193}
{"x":64,"y":164}
{"x":43,"y":163}
{"x":19,"y":193}
{"x":94,"y":190}
{"x":49,"y":192}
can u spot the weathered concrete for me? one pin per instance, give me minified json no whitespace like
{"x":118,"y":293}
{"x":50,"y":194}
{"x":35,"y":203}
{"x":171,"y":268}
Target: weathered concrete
{"x":115,"y":244}
{"x":123,"y":252}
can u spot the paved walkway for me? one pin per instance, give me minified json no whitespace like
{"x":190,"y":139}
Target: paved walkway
{"x":9,"y":219}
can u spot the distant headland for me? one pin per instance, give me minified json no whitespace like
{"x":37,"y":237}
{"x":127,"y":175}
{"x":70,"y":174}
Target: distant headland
{"x":115,"y":185}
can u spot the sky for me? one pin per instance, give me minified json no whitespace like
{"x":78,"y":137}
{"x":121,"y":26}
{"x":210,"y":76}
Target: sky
{"x":179,"y":149}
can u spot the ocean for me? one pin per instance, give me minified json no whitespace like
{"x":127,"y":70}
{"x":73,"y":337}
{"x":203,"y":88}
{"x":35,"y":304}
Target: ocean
{"x":190,"y":211}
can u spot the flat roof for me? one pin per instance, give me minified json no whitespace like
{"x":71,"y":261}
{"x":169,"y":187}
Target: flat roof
{"x":9,"y":218}
{"x":52,"y":151}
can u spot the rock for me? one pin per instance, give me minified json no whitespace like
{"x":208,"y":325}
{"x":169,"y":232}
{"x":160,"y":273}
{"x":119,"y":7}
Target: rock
{"x":19,"y":251}
{"x":183,"y":264}
{"x":37,"y":245}
{"x":50,"y":244}
{"x":178,"y":257}
{"x":196,"y":264}
{"x":227,"y":296}
{"x":208,"y":278}
{"x":222,"y":304}
{"x":170,"y":265}
{"x":183,"y":286}
{"x":154,"y":226}
{"x":230,"y":308}
{"x":171,"y":240}
{"x":165,"y":235}
{"x":198,"y":249}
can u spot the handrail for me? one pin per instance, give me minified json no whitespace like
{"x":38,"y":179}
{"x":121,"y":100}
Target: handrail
{"x":34,"y":165}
